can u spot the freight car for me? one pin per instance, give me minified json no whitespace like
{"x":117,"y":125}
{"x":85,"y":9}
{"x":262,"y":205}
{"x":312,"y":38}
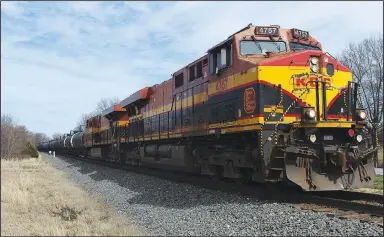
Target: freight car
{"x":265,"y":105}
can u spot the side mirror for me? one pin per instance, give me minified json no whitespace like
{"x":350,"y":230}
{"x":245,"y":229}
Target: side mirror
{"x":217,"y":71}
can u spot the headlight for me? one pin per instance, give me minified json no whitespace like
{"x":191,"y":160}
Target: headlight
{"x":359,"y":138}
{"x":312,"y":138}
{"x":362,"y":114}
{"x":314,"y":64}
{"x":310,"y":113}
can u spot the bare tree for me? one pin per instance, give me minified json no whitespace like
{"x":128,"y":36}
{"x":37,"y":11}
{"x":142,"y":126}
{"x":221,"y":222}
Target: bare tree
{"x":14,"y":137}
{"x":57,"y":135}
{"x":7,"y":135}
{"x":37,"y":138}
{"x":365,"y":59}
{"x":83,"y":120}
{"x":105,"y":103}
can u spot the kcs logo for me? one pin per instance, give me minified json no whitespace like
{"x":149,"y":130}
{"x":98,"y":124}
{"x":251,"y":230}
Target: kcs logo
{"x":303,"y":80}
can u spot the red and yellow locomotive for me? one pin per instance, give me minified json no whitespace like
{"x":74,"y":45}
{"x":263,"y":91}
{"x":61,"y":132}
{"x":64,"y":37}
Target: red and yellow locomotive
{"x":266,"y":104}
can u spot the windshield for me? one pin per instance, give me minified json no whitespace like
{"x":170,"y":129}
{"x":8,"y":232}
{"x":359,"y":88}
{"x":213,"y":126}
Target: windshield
{"x":256,"y":47}
{"x":297,"y":46}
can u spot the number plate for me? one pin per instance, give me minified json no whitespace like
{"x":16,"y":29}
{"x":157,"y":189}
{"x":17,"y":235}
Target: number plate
{"x":328,"y":138}
{"x":267,"y":30}
{"x":300,"y":34}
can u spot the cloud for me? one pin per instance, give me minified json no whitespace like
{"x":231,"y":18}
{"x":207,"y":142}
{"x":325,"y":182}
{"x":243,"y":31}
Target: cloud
{"x":59,"y":58}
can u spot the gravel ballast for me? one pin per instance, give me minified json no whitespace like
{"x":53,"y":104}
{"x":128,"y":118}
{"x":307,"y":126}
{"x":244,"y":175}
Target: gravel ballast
{"x":165,"y":207}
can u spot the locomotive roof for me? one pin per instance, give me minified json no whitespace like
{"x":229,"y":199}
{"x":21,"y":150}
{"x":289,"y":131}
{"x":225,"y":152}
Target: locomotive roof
{"x":112,"y":109}
{"x":138,"y":95}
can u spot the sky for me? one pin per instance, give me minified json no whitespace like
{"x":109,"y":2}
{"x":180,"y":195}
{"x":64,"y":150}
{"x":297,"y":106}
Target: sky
{"x":58,"y":59}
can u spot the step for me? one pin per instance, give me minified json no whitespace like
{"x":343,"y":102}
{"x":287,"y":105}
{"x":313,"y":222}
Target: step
{"x":275,"y":168}
{"x":271,"y":180}
{"x":275,"y":173}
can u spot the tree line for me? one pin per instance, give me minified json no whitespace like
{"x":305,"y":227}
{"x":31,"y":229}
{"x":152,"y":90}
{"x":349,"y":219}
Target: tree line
{"x":17,"y":141}
{"x":365,"y":59}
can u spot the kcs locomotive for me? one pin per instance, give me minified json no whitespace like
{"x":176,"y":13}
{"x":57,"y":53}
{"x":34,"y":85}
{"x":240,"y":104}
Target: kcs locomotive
{"x":265,"y":105}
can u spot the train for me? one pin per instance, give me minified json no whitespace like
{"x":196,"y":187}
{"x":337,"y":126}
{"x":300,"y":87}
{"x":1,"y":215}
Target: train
{"x":265,"y":105}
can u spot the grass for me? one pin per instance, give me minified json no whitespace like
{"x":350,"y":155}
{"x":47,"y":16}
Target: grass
{"x":380,"y":158}
{"x":377,"y":188}
{"x":37,"y":199}
{"x":379,"y":182}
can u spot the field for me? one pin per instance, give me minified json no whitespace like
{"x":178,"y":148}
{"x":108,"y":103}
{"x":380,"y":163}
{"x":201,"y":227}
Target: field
{"x":37,"y":199}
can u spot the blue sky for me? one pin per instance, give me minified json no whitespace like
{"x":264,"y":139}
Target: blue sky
{"x":58,"y":59}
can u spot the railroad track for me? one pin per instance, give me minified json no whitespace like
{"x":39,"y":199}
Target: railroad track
{"x":339,"y":204}
{"x":346,"y":209}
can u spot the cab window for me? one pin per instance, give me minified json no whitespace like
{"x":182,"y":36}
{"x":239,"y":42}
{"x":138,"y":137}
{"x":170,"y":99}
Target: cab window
{"x":220,"y":58}
{"x":254,"y":47}
{"x":296,"y":46}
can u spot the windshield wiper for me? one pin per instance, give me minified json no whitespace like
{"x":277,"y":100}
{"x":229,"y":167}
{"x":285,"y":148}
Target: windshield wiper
{"x":257,"y":44}
{"x":277,"y":46}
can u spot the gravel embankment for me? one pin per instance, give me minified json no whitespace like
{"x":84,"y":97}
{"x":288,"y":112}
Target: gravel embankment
{"x":168,"y":208}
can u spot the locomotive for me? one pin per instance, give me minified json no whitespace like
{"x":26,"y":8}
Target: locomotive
{"x":264,"y":105}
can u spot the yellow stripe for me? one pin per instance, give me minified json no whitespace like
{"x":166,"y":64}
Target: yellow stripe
{"x":240,"y":122}
{"x":95,"y":130}
{"x":269,"y":110}
{"x":122,"y":122}
{"x":240,"y":129}
{"x":175,"y":135}
{"x":324,"y":125}
{"x":164,"y":136}
{"x":231,"y":82}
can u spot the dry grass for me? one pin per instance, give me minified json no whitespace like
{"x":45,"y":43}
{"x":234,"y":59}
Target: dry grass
{"x":37,"y":199}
